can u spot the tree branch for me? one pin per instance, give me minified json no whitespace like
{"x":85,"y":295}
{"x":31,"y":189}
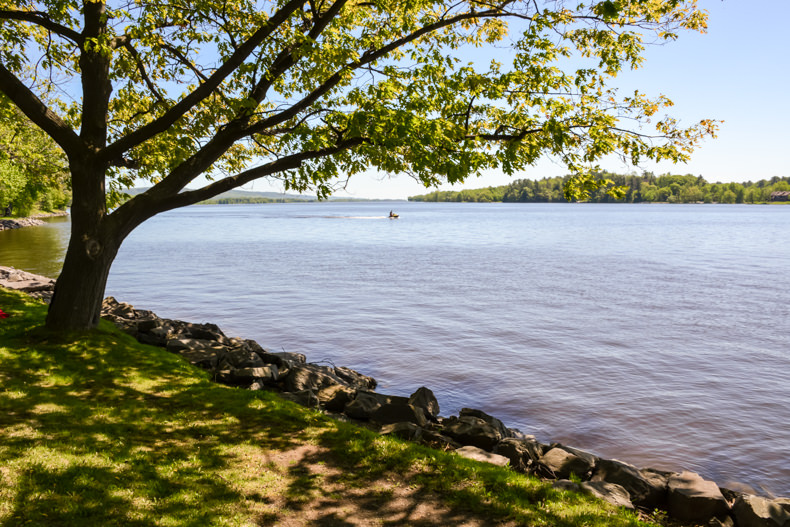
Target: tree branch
{"x":38,"y":112}
{"x":368,"y":58}
{"x":203,"y":91}
{"x":43,"y":20}
{"x":152,"y":200}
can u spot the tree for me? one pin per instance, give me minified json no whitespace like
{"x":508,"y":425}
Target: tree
{"x":314,"y":91}
{"x":33,"y":169}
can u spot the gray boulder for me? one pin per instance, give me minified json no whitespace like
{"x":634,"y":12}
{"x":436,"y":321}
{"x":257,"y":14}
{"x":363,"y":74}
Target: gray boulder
{"x":523,"y":453}
{"x":784,"y":503}
{"x":176,"y":345}
{"x":559,"y":463}
{"x":425,"y":399}
{"x":493,"y":421}
{"x":609,"y":492}
{"x":310,"y":377}
{"x":407,"y":431}
{"x":241,"y":358}
{"x":246,"y":376}
{"x":439,"y":441}
{"x":755,"y":511}
{"x":397,"y":411}
{"x":354,"y":378}
{"x":470,"y":430}
{"x":304,"y":397}
{"x":335,"y":398}
{"x":363,"y":406}
{"x":646,"y":489}
{"x":202,"y":331}
{"x":694,"y":499}
{"x":208,"y":358}
{"x":478,"y":454}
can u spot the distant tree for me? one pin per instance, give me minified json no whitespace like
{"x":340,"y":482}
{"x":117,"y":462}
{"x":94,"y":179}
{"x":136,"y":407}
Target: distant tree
{"x":33,"y":169}
{"x":311,"y":90}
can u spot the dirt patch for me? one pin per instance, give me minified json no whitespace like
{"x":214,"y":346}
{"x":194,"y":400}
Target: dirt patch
{"x":317,"y":492}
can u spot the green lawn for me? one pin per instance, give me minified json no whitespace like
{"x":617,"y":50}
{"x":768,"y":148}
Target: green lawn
{"x":97,"y":429}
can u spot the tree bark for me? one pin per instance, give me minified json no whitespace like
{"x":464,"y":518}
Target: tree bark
{"x":93,"y":244}
{"x":79,"y":290}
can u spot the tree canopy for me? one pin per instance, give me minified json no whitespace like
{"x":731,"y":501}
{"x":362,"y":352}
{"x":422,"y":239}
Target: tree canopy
{"x":33,"y":170}
{"x":313,"y":92}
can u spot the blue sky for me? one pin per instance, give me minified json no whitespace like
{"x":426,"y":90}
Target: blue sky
{"x":739,"y":72}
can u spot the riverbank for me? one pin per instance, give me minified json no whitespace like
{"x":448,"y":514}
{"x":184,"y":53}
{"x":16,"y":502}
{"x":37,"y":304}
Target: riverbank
{"x":99,"y":429}
{"x":347,"y":394}
{"x":32,"y":221}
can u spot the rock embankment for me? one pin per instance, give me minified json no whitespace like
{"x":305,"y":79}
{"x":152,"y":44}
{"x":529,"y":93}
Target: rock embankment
{"x":19,"y":223}
{"x":350,"y":395}
{"x":33,"y":221}
{"x":32,"y":284}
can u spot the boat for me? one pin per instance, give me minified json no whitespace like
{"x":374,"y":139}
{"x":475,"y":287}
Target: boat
{"x":393,"y":216}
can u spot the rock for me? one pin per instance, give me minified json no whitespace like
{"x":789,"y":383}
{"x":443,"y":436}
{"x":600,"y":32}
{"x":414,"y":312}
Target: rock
{"x":241,"y":358}
{"x":470,"y":430}
{"x":355,"y":379}
{"x":609,"y":492}
{"x":208,"y":359}
{"x":155,"y":337}
{"x":694,"y":499}
{"x":559,"y":463}
{"x":202,"y":331}
{"x":438,"y":441}
{"x":399,"y":411}
{"x":493,"y":421}
{"x":407,"y":431}
{"x":305,"y":398}
{"x":717,"y":522}
{"x":335,"y":398}
{"x":733,"y":489}
{"x":146,"y":325}
{"x":180,"y":344}
{"x":588,"y":457}
{"x":293,"y":358}
{"x":267,"y":374}
{"x":478,"y":454}
{"x":646,"y":489}
{"x":310,"y":377}
{"x":784,"y":503}
{"x":246,"y":376}
{"x":523,"y":453}
{"x":425,"y":399}
{"x":363,"y":406}
{"x":755,"y":511}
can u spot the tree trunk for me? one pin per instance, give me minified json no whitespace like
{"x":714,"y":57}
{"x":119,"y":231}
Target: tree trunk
{"x":79,"y":289}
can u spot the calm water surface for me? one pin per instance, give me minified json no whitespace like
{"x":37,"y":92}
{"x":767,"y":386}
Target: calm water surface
{"x":653,"y":334}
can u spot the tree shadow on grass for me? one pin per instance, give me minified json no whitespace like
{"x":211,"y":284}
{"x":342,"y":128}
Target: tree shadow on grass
{"x":94,"y":432}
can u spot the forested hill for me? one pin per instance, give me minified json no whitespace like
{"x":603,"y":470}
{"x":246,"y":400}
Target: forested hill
{"x":644,"y":188}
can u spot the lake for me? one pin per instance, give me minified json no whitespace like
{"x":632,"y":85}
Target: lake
{"x":654,"y":334}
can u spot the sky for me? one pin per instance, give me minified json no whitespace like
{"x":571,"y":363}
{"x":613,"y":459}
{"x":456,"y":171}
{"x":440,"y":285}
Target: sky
{"x":738,"y":73}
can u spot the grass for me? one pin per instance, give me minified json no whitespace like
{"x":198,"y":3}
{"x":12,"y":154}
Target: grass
{"x":97,"y":429}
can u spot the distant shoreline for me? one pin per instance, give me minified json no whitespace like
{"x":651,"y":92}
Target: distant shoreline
{"x":31,"y":221}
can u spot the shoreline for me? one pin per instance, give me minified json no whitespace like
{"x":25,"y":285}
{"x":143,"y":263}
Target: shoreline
{"x":30,"y":221}
{"x":350,"y":395}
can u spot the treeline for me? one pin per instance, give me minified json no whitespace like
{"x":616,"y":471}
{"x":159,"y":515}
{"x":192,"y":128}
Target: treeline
{"x":33,"y":169}
{"x":251,"y":200}
{"x":646,"y":188}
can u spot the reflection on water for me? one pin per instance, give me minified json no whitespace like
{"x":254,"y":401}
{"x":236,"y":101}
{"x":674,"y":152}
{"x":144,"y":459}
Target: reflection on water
{"x":37,"y":250}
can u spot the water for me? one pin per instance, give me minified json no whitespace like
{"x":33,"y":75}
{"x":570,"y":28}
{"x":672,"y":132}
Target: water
{"x":653,"y":334}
